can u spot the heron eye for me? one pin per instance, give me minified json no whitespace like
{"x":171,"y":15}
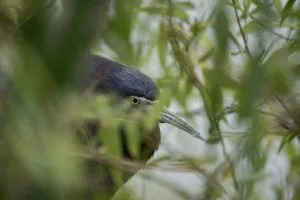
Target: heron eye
{"x":134,"y":100}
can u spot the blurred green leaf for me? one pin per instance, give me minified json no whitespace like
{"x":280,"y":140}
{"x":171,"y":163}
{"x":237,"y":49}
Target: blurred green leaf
{"x":222,"y":34}
{"x":285,"y":12}
{"x":179,"y":34}
{"x":163,"y":11}
{"x":198,"y":27}
{"x":185,"y":4}
{"x":162,"y":43}
{"x":133,"y":139}
{"x":279,"y":75}
{"x":41,"y":151}
{"x":285,"y":140}
{"x":252,"y":27}
{"x":215,"y":94}
{"x":213,"y":139}
{"x":112,"y":145}
{"x":278,"y":5}
{"x":250,"y":89}
{"x":206,"y":55}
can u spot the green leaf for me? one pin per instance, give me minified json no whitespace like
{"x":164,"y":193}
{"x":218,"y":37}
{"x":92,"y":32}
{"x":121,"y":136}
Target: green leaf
{"x":252,"y":27}
{"x":164,"y":11}
{"x":124,"y":193}
{"x":278,"y":5}
{"x":221,"y":29}
{"x":180,"y":35}
{"x":279,"y":193}
{"x":110,"y":138}
{"x":117,"y":176}
{"x":285,"y":12}
{"x":206,"y":55}
{"x":159,"y":160}
{"x":252,"y":147}
{"x":162,"y":43}
{"x":285,"y":140}
{"x":279,"y":74}
{"x":133,"y":139}
{"x":213,"y":139}
{"x":248,"y":3}
{"x":251,"y":88}
{"x":111,"y":143}
{"x":215,"y":94}
{"x":198,"y":27}
{"x":234,"y":39}
{"x":185,"y":5}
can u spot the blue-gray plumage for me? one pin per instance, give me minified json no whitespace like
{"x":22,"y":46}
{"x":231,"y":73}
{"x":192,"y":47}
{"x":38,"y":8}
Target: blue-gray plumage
{"x":105,"y":75}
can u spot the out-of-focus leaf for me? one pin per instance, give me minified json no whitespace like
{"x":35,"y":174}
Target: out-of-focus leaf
{"x":265,"y":8}
{"x":121,"y":47}
{"x":248,"y":3}
{"x":133,"y":139}
{"x":285,"y":12}
{"x":221,"y":26}
{"x":180,"y":94}
{"x":215,"y":95}
{"x":185,"y":4}
{"x":296,"y":194}
{"x":112,"y":145}
{"x":124,"y":193}
{"x":252,"y":27}
{"x":157,"y":161}
{"x":253,"y":148}
{"x":66,"y":40}
{"x":279,"y":75}
{"x":164,"y":11}
{"x":198,"y":27}
{"x":119,"y":29}
{"x":250,"y":89}
{"x":206,"y":55}
{"x":234,"y":39}
{"x":213,"y":139}
{"x":222,"y":79}
{"x":162,"y":43}
{"x":279,"y":193}
{"x":285,"y":140}
{"x":152,"y":118}
{"x":180,"y":35}
{"x":278,"y":5}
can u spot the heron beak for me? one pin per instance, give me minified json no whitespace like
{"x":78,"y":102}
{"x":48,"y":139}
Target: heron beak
{"x":176,"y":120}
{"x":167,"y":116}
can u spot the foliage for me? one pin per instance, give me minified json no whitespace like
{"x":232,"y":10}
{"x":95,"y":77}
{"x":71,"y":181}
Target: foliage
{"x":243,"y":50}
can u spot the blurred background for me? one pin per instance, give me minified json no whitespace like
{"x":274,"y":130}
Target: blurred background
{"x":230,"y":67}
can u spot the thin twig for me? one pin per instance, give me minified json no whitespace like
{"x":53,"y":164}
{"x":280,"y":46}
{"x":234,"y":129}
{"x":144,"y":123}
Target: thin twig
{"x":288,"y":39}
{"x":130,"y":166}
{"x":250,"y":55}
{"x":227,"y":110}
{"x":241,"y":29}
{"x":189,"y":160}
{"x":289,"y":111}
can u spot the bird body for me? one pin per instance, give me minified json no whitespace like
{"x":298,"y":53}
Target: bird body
{"x":104,"y":76}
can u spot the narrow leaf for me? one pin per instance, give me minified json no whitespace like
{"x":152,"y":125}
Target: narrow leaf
{"x":288,"y":6}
